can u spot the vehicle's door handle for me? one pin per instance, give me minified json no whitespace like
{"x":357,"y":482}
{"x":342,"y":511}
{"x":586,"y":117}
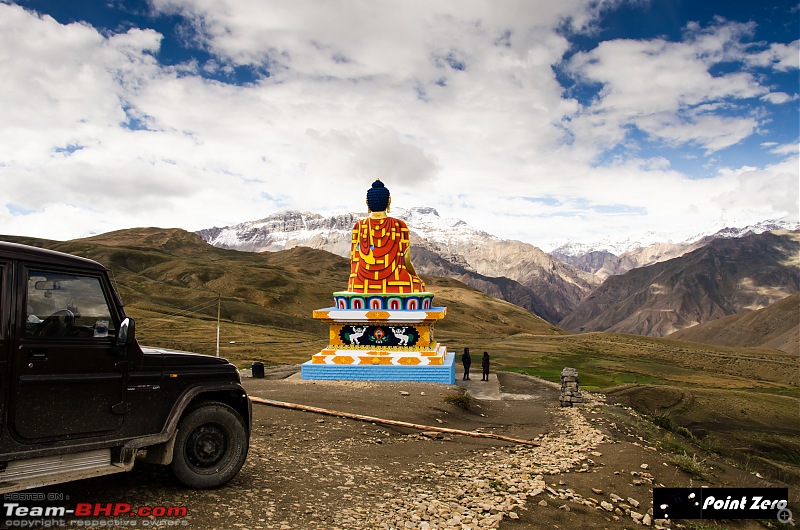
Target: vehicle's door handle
{"x":37,"y":354}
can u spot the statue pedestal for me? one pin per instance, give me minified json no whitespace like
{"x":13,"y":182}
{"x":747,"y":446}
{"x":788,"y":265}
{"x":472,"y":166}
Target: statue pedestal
{"x":382,"y":345}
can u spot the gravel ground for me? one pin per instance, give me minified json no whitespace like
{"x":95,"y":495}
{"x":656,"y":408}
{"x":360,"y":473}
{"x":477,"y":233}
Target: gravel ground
{"x":307,"y":470}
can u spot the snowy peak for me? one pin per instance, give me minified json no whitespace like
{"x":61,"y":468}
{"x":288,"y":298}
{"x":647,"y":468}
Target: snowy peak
{"x":428,"y":225}
{"x":758,"y":228}
{"x":616,"y":247}
{"x":284,"y":230}
{"x":648,"y":239}
{"x":287,"y":229}
{"x":610,"y":259}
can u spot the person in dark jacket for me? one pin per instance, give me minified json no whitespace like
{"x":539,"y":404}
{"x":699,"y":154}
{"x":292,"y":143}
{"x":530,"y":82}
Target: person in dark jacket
{"x":466,"y":360}
{"x":485,"y":365}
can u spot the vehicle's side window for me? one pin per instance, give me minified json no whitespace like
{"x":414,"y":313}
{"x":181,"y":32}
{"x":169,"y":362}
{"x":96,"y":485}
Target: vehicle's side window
{"x":66,"y":305}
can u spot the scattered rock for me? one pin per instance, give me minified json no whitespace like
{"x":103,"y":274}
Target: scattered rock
{"x":432,"y":434}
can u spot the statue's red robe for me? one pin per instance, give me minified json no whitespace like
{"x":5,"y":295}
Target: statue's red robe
{"x":378,"y":258}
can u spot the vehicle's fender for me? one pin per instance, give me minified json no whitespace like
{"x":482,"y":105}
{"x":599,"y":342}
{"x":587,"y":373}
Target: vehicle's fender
{"x":230,"y":393}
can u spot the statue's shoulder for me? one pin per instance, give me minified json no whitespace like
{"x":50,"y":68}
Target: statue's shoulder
{"x":399,"y":222}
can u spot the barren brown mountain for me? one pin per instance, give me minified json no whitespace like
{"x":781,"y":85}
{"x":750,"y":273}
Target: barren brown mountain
{"x":725,"y":277}
{"x":776,"y":326}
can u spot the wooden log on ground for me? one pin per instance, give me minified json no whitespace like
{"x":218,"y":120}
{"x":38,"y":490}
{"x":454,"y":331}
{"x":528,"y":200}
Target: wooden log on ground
{"x":396,"y":423}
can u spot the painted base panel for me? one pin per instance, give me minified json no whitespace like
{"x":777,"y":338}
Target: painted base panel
{"x":444,"y":373}
{"x":387,"y":357}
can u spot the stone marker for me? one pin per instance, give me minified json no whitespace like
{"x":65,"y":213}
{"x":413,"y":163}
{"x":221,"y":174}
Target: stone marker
{"x":569,"y":388}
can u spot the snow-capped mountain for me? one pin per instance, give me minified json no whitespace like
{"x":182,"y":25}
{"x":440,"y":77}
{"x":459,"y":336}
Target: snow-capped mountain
{"x":288,"y":229}
{"x":549,"y":285}
{"x":285,"y":230}
{"x":609,"y":258}
{"x":512,"y":270}
{"x":724,"y":276}
{"x":629,"y":244}
{"x":758,"y":228}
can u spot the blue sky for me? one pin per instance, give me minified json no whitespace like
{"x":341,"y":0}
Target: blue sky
{"x":530,"y":119}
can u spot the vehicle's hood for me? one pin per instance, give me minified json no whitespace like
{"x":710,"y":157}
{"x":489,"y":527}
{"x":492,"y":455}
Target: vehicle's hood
{"x":169,"y":357}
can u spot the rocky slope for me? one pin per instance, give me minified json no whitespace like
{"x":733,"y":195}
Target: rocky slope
{"x":775,"y":326}
{"x":725,"y":277}
{"x":590,"y":261}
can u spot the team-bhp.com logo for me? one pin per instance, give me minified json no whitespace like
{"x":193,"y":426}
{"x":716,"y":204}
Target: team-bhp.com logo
{"x":37,"y":510}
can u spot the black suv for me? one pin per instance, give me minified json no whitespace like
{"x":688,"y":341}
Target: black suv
{"x":79,"y":397}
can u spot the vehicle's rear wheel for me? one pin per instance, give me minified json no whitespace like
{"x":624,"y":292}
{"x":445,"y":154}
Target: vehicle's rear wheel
{"x":210,"y":447}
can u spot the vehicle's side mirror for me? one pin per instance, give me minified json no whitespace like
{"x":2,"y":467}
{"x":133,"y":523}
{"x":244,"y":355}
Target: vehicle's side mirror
{"x":126,"y":335}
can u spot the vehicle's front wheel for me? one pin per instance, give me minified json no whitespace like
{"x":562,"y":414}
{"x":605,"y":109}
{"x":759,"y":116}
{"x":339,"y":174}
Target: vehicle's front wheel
{"x":210,"y":447}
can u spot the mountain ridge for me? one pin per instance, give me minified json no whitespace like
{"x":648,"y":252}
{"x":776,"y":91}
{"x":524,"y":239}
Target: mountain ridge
{"x":522,"y":272}
{"x":724,"y":277}
{"x":605,"y":259}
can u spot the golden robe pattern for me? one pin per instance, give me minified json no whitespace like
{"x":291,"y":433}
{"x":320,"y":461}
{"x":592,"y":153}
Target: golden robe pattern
{"x":378,"y":258}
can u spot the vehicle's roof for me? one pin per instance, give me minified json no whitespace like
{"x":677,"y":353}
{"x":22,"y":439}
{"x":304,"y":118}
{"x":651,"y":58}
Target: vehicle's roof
{"x":15,"y":250}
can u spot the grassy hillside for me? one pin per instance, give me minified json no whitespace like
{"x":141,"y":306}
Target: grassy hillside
{"x":776,"y":326}
{"x":608,"y":359}
{"x":171,"y":281}
{"x":742,"y":403}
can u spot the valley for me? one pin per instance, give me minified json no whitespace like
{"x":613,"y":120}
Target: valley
{"x":172,"y":282}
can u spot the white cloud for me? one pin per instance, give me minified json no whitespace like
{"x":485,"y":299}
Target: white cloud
{"x":453,"y":104}
{"x":758,"y":194}
{"x":779,"y":56}
{"x":666,"y":89}
{"x":778,"y":98}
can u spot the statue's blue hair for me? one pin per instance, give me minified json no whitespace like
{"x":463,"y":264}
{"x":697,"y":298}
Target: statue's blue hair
{"x":378,"y":197}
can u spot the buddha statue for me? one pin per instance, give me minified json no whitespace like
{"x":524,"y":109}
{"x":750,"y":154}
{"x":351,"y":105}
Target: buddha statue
{"x":379,"y":261}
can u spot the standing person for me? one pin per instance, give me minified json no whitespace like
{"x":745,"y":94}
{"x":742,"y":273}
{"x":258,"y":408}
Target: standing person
{"x":466,"y":360}
{"x":485,"y":365}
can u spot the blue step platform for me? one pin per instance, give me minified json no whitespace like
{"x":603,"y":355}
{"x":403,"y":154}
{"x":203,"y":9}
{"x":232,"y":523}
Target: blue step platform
{"x":444,"y":373}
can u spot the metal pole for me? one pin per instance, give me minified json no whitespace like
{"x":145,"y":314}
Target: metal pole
{"x":219,"y":300}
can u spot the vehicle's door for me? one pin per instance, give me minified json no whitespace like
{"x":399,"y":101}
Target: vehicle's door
{"x":5,"y":331}
{"x":66,"y":381}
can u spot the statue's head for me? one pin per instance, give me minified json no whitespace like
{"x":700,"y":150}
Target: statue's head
{"x":378,"y":198}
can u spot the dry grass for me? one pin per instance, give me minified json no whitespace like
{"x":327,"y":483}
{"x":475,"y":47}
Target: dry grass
{"x":690,"y":465}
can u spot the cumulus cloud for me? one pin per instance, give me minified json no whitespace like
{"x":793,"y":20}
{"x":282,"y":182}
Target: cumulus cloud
{"x":757,"y":194}
{"x":457,"y":105}
{"x":779,"y":56}
{"x":667,"y":89}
